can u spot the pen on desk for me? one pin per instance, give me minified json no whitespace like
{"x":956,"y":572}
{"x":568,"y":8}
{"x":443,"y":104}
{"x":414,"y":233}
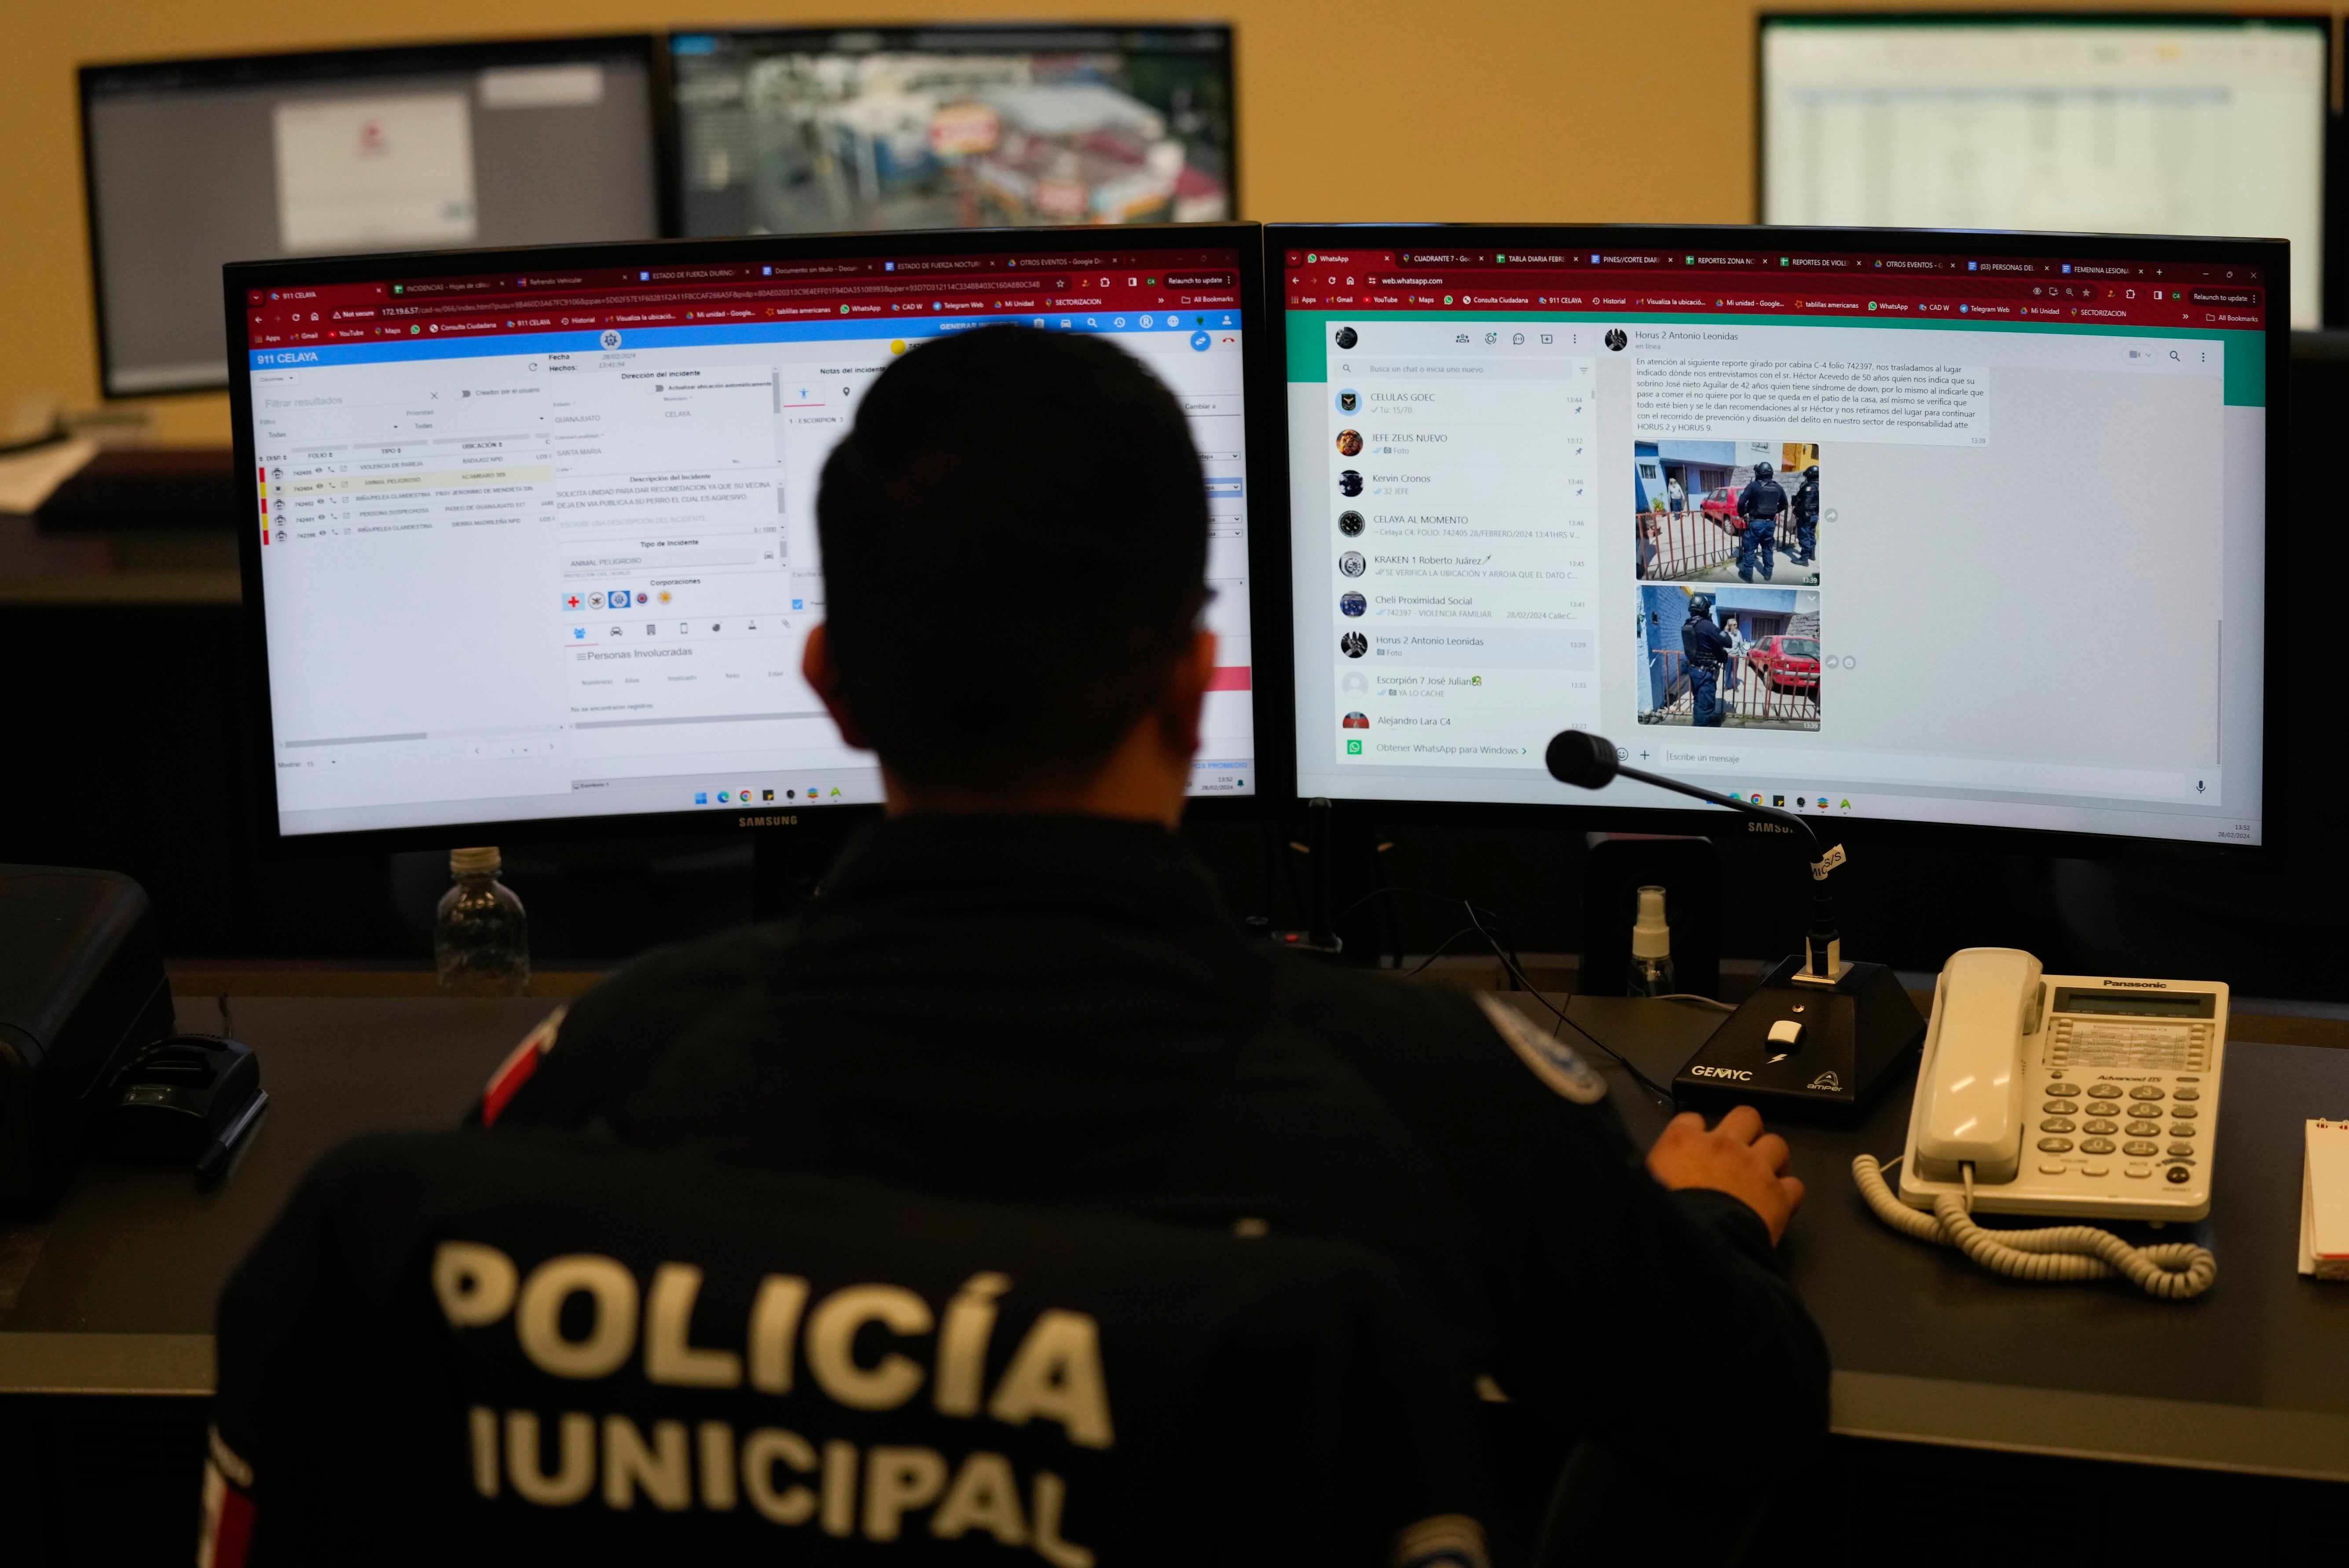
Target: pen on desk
{"x":214,"y":1158}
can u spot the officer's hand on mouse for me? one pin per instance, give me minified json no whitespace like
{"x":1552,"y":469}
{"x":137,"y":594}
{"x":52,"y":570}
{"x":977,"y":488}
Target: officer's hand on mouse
{"x":1737,"y":1156}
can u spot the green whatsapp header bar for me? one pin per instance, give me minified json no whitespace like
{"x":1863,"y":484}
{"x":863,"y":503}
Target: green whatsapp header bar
{"x":2246,"y":353}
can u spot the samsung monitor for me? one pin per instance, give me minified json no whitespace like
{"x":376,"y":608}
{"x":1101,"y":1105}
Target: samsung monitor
{"x":1962,"y":534}
{"x":192,"y":164}
{"x":2177,"y":124}
{"x":530,"y":543}
{"x":926,"y":128}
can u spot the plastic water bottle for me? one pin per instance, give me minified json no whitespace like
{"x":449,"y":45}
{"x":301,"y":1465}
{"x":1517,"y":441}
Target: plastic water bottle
{"x":480,"y":937}
{"x":1650,"y":974}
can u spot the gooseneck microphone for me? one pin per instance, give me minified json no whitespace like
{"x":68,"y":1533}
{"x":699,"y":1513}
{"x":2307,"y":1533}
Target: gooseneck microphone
{"x":1591,"y":762}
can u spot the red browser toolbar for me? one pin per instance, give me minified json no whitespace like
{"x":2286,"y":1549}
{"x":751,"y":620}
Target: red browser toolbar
{"x":1076,"y":284}
{"x":2118,"y":293}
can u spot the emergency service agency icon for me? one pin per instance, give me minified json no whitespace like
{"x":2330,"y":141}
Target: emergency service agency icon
{"x":1350,"y":401}
{"x":611,"y":338}
{"x":1353,"y":644}
{"x":1351,"y":604}
{"x":1615,"y":339}
{"x":1353,"y":564}
{"x":1348,"y":337}
{"x":1350,"y":523}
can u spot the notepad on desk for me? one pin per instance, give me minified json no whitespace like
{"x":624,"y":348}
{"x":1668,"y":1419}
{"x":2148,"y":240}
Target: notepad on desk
{"x":2324,"y":1201}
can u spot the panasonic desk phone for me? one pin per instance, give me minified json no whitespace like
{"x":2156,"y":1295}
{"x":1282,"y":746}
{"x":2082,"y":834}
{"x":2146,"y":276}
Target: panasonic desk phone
{"x":2073,"y":1095}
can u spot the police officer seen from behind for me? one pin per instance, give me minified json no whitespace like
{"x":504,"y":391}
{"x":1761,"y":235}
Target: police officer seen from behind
{"x":1806,"y":519}
{"x":1020,"y":986}
{"x":1706,"y":651}
{"x":1758,"y":506}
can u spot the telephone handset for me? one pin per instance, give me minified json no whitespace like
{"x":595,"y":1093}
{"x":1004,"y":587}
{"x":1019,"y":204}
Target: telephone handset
{"x":2068,"y":1095}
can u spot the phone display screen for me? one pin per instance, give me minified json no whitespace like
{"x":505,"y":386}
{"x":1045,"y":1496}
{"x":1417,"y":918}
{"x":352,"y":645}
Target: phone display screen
{"x":2137,"y":1003}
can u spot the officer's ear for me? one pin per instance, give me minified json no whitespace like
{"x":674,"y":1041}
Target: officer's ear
{"x":815,"y":663}
{"x":1186,"y":695}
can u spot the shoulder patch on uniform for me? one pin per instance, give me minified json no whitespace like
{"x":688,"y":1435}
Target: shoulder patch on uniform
{"x":1553,"y":1061}
{"x":520,"y":1063}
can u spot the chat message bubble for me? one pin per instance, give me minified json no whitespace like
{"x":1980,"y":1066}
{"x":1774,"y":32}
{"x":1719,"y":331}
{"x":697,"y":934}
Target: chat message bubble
{"x":1913,"y":403}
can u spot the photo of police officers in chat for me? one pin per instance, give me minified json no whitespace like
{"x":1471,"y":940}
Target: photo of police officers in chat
{"x":1727,"y":511}
{"x":1729,"y":658}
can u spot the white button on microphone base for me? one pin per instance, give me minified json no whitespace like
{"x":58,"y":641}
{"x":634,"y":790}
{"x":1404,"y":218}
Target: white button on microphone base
{"x":1786,"y":1032}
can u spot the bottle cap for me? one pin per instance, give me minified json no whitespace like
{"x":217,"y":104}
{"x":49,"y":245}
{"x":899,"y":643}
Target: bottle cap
{"x":472,"y":862}
{"x":1651,"y":937}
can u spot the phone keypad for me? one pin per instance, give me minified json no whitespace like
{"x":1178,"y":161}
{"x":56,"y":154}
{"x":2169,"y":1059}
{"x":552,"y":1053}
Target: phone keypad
{"x":2143,"y":1106}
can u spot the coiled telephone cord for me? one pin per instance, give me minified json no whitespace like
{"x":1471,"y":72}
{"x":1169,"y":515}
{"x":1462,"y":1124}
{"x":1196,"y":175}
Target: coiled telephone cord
{"x":2171,"y":1270}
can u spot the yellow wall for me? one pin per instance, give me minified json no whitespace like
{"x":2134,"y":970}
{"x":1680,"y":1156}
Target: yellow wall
{"x":1493,"y":109}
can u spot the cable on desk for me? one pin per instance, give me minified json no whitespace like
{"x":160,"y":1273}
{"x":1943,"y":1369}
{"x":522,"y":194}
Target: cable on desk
{"x":1506,"y":952}
{"x":2170,"y":1271}
{"x":1695,"y":1000}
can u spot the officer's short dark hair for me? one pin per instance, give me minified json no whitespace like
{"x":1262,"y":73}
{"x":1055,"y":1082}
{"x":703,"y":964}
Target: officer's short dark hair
{"x":1014,"y":549}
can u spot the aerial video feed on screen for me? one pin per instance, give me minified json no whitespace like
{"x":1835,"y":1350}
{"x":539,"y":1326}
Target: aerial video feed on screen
{"x":817,"y":131}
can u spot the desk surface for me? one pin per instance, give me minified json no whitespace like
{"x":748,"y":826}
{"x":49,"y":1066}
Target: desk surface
{"x":113,"y":1293}
{"x":1928,"y":1347}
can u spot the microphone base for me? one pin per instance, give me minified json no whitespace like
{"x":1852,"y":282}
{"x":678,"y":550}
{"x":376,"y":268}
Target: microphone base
{"x":1856,"y":1036}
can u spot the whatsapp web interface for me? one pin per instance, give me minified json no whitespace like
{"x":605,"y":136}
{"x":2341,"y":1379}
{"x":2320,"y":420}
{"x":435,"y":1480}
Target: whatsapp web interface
{"x":559,"y":558}
{"x":2008,"y":570}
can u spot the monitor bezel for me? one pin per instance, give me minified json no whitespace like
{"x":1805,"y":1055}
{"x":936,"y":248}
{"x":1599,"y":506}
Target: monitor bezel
{"x":1004,"y":34}
{"x":2330,"y":311}
{"x":1592,"y":811}
{"x":1267,"y":544}
{"x":342,"y":65}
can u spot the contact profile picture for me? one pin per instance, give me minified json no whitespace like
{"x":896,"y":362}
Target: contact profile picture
{"x":1350,"y":401}
{"x":1352,"y":603}
{"x":1355,"y":721}
{"x":1615,"y":339}
{"x":1353,"y":564}
{"x":1349,"y":443}
{"x":1353,"y":644}
{"x":1350,"y":482}
{"x":1348,"y":337}
{"x":1355,"y":681}
{"x":1350,"y":523}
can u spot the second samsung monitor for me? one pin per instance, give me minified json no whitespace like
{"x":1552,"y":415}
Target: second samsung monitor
{"x":2121,"y":124}
{"x":194,"y":163}
{"x":1954,"y":529}
{"x":816,"y":129}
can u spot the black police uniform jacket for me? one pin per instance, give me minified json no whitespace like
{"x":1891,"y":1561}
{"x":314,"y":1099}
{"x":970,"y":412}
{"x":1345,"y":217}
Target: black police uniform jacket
{"x":1704,"y":643}
{"x":1807,"y":501}
{"x":1059,"y":1011}
{"x":1763,"y":499}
